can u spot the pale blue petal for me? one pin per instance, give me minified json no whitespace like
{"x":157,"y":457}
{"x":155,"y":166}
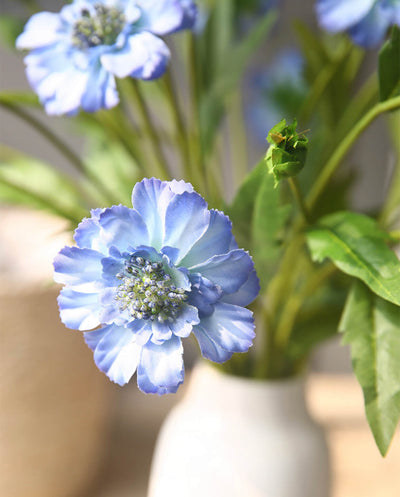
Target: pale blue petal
{"x":79,"y":311}
{"x":229,"y":271}
{"x":181,"y":326}
{"x":142,"y":329}
{"x":209,"y":348}
{"x":101,"y":91}
{"x":151,"y":197}
{"x":122,"y":227}
{"x":371,"y":30}
{"x":186,"y":220}
{"x":160,"y":369}
{"x":87,"y":234}
{"x":339,"y":15}
{"x":246,"y":293}
{"x":79,"y":268}
{"x":42,"y":29}
{"x":115,"y":352}
{"x":230,"y":327}
{"x":216,"y":240}
{"x":144,"y":56}
{"x":204,"y":294}
{"x":162,"y":16}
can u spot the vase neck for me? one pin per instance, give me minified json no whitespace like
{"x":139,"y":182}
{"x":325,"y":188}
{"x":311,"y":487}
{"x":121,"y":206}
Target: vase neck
{"x":274,"y":399}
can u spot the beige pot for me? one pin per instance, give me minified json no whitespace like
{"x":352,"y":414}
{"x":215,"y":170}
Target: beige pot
{"x":54,"y":402}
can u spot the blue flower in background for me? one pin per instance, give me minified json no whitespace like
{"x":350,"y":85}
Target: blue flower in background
{"x":366,"y":21}
{"x":143,"y":278}
{"x":76,"y":54}
{"x":276,"y":93}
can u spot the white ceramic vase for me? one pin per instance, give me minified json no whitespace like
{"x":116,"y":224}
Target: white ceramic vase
{"x":238,"y":437}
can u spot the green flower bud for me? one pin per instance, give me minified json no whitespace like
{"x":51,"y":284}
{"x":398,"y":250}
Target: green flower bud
{"x":287,"y":153}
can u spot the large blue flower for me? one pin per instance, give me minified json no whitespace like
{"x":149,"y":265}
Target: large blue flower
{"x":143,"y":278}
{"x":76,"y":54}
{"x":367,"y":21}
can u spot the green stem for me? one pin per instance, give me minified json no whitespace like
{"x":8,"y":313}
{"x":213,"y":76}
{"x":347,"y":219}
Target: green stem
{"x":294,"y":303}
{"x":60,"y":145}
{"x":295,"y":188}
{"x":341,"y":151}
{"x":179,"y":123}
{"x":151,"y":132}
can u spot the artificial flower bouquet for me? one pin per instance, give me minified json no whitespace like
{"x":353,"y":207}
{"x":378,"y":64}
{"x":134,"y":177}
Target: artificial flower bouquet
{"x":171,"y":100}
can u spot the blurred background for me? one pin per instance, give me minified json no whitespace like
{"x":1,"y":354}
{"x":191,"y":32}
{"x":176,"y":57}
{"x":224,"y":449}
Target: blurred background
{"x":50,"y":370}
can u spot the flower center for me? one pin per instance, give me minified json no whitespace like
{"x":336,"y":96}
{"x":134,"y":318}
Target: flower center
{"x":101,"y":28}
{"x":147,"y":291}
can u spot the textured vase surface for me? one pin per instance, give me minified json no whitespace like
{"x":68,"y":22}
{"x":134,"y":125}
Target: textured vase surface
{"x":240,"y":437}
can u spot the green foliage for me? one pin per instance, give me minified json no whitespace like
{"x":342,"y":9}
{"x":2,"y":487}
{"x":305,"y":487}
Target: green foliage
{"x":287,"y":153}
{"x":358,"y":247}
{"x":26,"y":181}
{"x":222,"y":60}
{"x":259,"y":219}
{"x":371,"y":328}
{"x":10,"y":28}
{"x":389,"y":66}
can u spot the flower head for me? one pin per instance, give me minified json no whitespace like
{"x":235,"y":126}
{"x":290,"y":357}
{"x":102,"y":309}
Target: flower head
{"x":367,"y":21}
{"x":146,"y":277}
{"x":76,"y":54}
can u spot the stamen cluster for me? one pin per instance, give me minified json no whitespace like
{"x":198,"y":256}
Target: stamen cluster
{"x":147,"y":291}
{"x":102,"y":28}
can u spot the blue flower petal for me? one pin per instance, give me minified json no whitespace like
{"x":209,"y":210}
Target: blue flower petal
{"x":115,"y":352}
{"x":182,"y":326}
{"x":371,"y":30}
{"x":167,"y":16}
{"x":186,"y":220}
{"x":204,"y":294}
{"x":339,"y":15}
{"x":230,"y":327}
{"x":42,"y":29}
{"x":209,"y":348}
{"x":87,"y":234}
{"x":161,"y":367}
{"x":144,"y":56}
{"x":246,"y":293}
{"x":216,"y":240}
{"x":79,"y":268}
{"x":101,"y":91}
{"x":150,"y":197}
{"x":229,"y":271}
{"x":79,"y":311}
{"x":122,"y":227}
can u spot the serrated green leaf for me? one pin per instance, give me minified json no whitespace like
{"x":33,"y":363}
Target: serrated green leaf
{"x":389,"y":66}
{"x":357,"y":246}
{"x":371,"y":327}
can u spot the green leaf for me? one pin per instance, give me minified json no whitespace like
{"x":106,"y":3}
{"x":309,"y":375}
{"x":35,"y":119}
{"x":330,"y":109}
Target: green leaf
{"x":242,"y":208}
{"x":371,"y":327}
{"x":267,"y":225}
{"x":357,"y":246}
{"x":10,"y":28}
{"x":389,"y":66}
{"x":19,"y":97}
{"x":25,"y":180}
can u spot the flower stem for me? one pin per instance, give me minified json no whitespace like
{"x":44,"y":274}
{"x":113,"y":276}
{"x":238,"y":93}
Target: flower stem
{"x":295,"y":188}
{"x":151,"y":131}
{"x":341,"y":151}
{"x":179,"y":122}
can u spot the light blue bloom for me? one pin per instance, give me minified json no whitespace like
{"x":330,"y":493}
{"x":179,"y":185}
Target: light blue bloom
{"x":146,"y":277}
{"x":76,"y":54}
{"x":366,"y":21}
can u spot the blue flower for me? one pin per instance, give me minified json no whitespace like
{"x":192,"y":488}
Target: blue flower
{"x":76,"y":54}
{"x":367,"y":21}
{"x":144,"y":278}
